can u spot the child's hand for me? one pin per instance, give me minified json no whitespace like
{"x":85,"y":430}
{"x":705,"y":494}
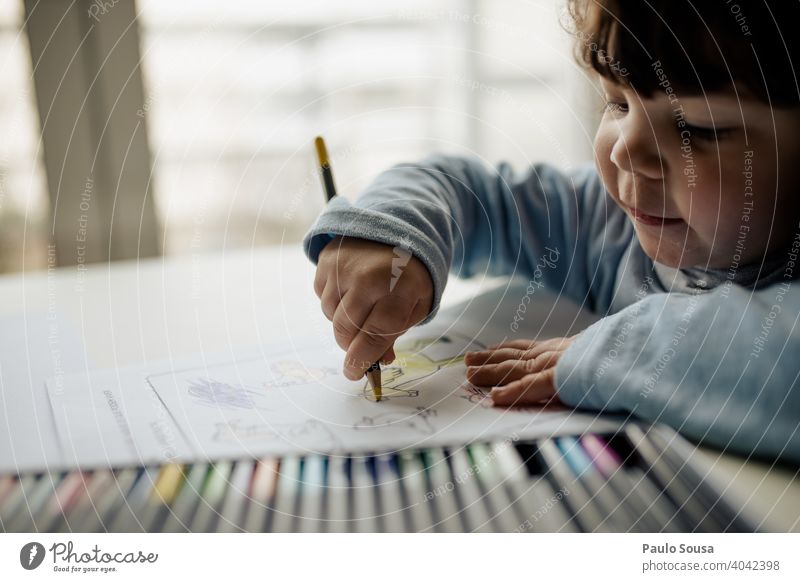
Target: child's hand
{"x":372,"y":293}
{"x":519,"y":371}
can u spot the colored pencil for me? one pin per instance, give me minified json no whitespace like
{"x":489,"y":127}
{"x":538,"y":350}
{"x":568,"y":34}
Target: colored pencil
{"x":617,"y":514}
{"x":262,"y":494}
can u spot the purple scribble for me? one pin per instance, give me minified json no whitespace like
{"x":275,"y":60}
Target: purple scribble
{"x":222,"y":394}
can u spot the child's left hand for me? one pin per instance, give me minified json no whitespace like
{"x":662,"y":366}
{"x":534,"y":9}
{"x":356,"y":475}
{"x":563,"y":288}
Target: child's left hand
{"x":518,"y":372}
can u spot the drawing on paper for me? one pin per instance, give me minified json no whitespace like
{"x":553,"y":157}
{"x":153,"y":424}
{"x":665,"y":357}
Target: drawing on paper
{"x":218,"y":394}
{"x":418,"y":421}
{"x":285,"y":373}
{"x":475,"y":395}
{"x":418,"y":358}
{"x":292,"y":372}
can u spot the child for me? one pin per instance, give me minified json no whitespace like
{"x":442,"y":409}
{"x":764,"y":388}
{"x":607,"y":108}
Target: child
{"x":685,"y":236}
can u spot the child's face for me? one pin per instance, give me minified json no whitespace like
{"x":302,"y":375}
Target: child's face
{"x":697,"y":199}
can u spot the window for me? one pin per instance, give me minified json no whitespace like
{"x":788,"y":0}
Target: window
{"x":24,"y":206}
{"x":234,"y":97}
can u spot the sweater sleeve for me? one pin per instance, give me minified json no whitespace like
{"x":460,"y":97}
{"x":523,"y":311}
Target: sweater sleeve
{"x":458,"y":215}
{"x":721,"y":367}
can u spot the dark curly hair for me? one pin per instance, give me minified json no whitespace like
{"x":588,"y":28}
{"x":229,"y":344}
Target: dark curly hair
{"x":703,"y":45}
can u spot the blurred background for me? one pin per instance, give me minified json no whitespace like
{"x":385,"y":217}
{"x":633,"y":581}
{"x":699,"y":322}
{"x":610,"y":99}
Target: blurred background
{"x":139,"y":128}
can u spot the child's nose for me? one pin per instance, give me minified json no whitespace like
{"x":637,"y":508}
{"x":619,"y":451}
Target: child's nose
{"x":636,"y":149}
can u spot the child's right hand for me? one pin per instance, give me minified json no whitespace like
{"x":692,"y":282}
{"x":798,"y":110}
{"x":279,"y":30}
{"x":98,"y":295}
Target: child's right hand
{"x":369,"y":305}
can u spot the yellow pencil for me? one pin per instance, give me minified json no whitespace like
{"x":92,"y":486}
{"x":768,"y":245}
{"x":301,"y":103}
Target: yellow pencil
{"x":373,"y":373}
{"x":168,"y":482}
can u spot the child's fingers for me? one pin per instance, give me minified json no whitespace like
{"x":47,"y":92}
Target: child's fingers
{"x":520,"y":344}
{"x":509,"y":370}
{"x":497,"y":374}
{"x":545,"y":359}
{"x":389,"y":356}
{"x":419,"y":312}
{"x":531,"y":389}
{"x":493,"y":356}
{"x":505,"y":351}
{"x":535,"y":347}
{"x":350,"y":315}
{"x":385,"y":323}
{"x":327,"y":271}
{"x":331,"y":297}
{"x":320,"y":278}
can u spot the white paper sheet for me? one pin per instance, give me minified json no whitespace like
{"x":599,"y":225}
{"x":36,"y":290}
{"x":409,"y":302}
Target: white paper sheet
{"x":291,"y":401}
{"x":299,"y":402}
{"x":113,"y":418}
{"x":33,"y":347}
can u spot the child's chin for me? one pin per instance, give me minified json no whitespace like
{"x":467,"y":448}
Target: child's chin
{"x":671,"y":257}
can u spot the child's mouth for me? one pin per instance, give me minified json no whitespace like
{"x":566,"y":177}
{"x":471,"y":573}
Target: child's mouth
{"x":651,"y":220}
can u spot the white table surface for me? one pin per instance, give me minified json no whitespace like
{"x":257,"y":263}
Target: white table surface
{"x":135,"y":312}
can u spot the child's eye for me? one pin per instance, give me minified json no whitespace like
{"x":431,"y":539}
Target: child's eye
{"x":708,"y":133}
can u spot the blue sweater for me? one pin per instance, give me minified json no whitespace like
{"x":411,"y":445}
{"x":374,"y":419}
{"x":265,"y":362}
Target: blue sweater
{"x":713,"y":353}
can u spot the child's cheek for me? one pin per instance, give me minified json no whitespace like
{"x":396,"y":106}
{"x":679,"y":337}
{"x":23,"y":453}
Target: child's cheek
{"x":711,"y":208}
{"x":603,"y":145}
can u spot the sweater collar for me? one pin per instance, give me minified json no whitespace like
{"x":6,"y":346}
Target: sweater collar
{"x":697,"y":279}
